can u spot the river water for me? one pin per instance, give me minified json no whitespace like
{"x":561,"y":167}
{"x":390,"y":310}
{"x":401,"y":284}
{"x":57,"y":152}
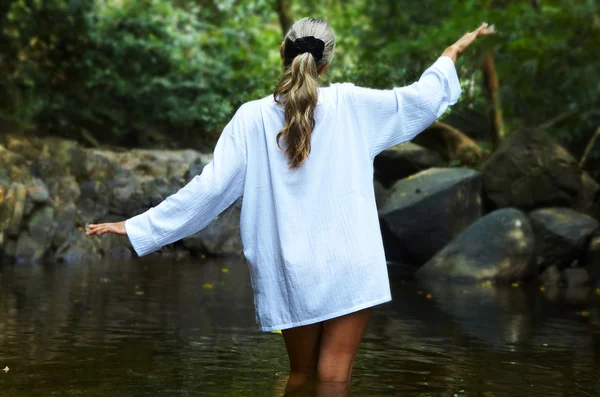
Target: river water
{"x":186,"y":328}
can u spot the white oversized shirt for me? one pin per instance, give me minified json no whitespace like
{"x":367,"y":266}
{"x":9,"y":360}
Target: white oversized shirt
{"x":310,"y":234}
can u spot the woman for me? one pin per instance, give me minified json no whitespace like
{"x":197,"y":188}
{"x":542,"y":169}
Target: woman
{"x":303,"y":160}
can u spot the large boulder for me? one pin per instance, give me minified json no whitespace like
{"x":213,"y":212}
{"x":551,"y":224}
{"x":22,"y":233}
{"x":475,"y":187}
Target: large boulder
{"x":592,"y":258}
{"x":381,"y":193}
{"x":404,"y":160}
{"x":33,"y":242}
{"x":425,"y":212}
{"x":78,"y":247}
{"x":497,"y":247}
{"x":451,"y":144}
{"x":28,"y":249}
{"x":531,"y":171}
{"x":561,"y":235}
{"x":51,"y":188}
{"x":221,"y":237}
{"x":12,"y":210}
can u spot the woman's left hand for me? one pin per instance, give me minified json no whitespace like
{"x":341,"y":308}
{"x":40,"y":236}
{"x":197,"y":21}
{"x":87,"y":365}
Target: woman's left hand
{"x":116,"y":228}
{"x":465,"y":42}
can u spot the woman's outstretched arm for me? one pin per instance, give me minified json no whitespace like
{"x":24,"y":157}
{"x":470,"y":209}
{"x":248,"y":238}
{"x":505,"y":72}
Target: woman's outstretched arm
{"x":393,"y":116}
{"x":193,"y":207}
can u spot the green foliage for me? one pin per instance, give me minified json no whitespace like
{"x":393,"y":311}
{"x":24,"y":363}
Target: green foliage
{"x":130,"y":72}
{"x":133,"y":72}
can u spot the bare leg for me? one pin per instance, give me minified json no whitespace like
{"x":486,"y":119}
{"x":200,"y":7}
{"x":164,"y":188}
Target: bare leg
{"x":303,"y":344}
{"x":340,"y":339}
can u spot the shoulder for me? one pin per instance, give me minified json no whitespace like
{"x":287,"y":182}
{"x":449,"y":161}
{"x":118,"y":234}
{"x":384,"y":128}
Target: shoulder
{"x":343,"y":90}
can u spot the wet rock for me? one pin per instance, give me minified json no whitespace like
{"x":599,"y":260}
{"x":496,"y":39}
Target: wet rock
{"x":10,"y":248}
{"x":381,"y":194}
{"x":28,"y":249}
{"x":575,"y":277}
{"x":113,"y":246}
{"x":592,"y":257}
{"x":195,"y":169}
{"x":158,"y":189}
{"x":15,"y":206}
{"x":497,"y":247}
{"x":64,"y":223}
{"x":561,"y":235}
{"x":51,"y":188}
{"x":64,"y":190}
{"x":404,"y":160}
{"x":221,"y":237}
{"x":531,"y":171}
{"x":38,"y":192}
{"x":40,"y":226}
{"x":77,"y":247}
{"x":426,"y":211}
{"x":551,"y":276}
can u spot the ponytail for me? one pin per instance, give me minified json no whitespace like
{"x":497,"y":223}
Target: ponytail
{"x":297,"y":87}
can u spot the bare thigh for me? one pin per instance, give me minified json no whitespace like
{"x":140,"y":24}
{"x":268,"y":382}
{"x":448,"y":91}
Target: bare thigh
{"x":303,"y":344}
{"x":340,"y":339}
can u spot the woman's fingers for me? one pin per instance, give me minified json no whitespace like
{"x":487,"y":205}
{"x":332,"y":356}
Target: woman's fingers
{"x":99,"y":229}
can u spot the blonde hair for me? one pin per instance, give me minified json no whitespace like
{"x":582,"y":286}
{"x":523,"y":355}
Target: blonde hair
{"x":297,"y":88}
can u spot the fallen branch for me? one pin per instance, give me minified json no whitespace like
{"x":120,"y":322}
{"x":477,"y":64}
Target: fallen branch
{"x":588,"y":147}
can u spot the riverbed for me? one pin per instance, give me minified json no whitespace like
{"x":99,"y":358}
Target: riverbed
{"x":161,"y":327}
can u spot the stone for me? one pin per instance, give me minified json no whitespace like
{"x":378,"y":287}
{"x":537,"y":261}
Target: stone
{"x":64,"y":190}
{"x":403,"y":160}
{"x":50,"y":188}
{"x":498,"y":247}
{"x":64,"y":223}
{"x":40,"y":226}
{"x":16,"y":201}
{"x":195,"y":169}
{"x":38,"y":192}
{"x":551,"y":276}
{"x":28,"y":249}
{"x":575,"y":277}
{"x":77,"y":247}
{"x":529,"y":171}
{"x":592,"y":257}
{"x":426,"y":211}
{"x":381,"y":194}
{"x":561,"y":235}
{"x":221,"y":237}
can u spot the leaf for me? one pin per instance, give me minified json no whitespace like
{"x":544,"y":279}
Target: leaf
{"x":207,"y":286}
{"x":6,"y":369}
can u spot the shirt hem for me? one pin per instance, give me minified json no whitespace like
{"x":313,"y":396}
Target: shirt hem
{"x":328,"y":316}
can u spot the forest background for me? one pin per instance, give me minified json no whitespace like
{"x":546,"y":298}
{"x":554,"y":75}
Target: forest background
{"x":170,"y":74}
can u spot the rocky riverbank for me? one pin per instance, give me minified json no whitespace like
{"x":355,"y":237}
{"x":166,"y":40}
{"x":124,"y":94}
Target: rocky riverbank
{"x":528,"y":211}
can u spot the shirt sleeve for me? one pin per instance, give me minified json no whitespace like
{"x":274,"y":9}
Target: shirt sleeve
{"x":196,"y":204}
{"x":390,"y":117}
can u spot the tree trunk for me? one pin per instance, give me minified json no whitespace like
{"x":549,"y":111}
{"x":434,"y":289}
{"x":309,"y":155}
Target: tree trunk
{"x":492,"y":88}
{"x":284,"y":10}
{"x":535,"y":4}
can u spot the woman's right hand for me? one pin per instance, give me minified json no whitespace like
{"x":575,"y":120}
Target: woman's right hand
{"x":464,"y":42}
{"x":116,"y":228}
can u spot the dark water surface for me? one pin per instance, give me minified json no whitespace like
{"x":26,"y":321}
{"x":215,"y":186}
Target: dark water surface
{"x":147,"y":328}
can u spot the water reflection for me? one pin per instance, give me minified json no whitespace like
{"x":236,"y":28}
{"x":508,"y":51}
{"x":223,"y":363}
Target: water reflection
{"x":187,"y":329}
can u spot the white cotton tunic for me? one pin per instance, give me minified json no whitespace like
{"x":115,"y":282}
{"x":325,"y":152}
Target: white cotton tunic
{"x":310,"y":234}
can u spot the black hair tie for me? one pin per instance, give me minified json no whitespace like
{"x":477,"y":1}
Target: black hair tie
{"x":305,"y":44}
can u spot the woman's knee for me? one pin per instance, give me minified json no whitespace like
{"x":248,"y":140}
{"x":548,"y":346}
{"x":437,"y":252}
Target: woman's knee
{"x":335,"y":368}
